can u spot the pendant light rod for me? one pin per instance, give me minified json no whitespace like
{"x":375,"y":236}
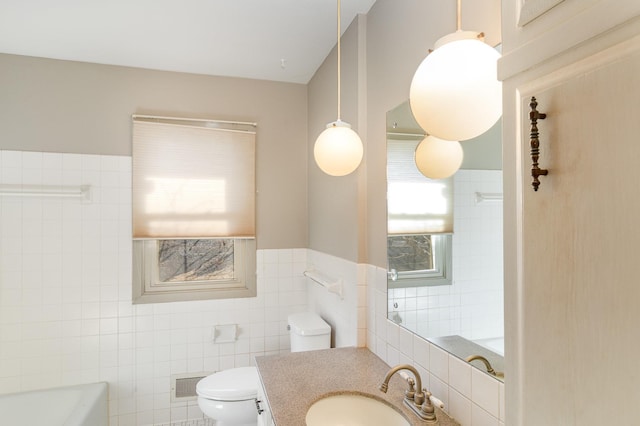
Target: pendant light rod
{"x":338,"y":26}
{"x":338,"y":150}
{"x":459,"y":15}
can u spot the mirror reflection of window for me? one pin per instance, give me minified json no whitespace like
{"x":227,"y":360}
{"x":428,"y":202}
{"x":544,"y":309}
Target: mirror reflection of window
{"x":465,"y":316}
{"x":420,"y":216}
{"x":410,"y":253}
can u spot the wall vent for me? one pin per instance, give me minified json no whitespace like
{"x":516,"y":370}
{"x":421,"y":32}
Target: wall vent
{"x":183,"y":386}
{"x":197,"y":422}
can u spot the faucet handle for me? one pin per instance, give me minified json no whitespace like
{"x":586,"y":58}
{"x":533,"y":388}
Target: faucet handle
{"x":428,"y":411}
{"x":410,"y":393}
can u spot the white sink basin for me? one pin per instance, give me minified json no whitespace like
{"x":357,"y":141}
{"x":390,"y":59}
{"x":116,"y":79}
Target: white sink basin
{"x":353,"y":410}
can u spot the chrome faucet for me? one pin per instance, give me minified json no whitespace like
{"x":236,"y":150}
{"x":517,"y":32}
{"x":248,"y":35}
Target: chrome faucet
{"x":417,"y":400}
{"x":486,"y":363}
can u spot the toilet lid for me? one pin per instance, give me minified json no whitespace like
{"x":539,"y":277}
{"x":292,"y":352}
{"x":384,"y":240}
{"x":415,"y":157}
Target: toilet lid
{"x":235,"y":384}
{"x":308,"y":324}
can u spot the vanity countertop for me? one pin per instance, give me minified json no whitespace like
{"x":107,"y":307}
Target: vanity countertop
{"x":294,"y":381}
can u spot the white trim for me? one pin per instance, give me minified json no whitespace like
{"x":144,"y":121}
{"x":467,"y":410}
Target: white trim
{"x":531,"y":9}
{"x":145,"y":276}
{"x":570,"y":37}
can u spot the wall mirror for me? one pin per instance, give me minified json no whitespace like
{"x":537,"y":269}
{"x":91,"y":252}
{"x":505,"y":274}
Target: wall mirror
{"x":445,"y":280}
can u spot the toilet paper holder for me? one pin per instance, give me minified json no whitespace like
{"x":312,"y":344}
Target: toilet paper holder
{"x":225,"y":333}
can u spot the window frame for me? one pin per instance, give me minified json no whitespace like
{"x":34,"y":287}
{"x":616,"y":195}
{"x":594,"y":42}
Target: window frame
{"x":441,"y":275}
{"x":147,"y":289}
{"x":188,"y":140}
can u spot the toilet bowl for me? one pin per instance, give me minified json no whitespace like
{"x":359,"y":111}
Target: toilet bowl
{"x":229,"y":396}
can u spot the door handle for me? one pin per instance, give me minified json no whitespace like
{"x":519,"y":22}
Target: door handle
{"x":534,"y":116}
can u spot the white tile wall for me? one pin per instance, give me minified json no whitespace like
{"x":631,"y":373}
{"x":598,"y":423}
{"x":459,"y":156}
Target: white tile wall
{"x":346,"y":315}
{"x":470,"y":396}
{"x":472,"y":306}
{"x":66,"y":315}
{"x":65,"y":296}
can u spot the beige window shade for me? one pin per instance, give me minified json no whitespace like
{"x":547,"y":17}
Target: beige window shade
{"x":191,"y":180}
{"x":415,"y":203}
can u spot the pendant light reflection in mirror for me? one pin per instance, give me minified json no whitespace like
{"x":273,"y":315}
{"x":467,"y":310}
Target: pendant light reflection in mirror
{"x":454,"y":96}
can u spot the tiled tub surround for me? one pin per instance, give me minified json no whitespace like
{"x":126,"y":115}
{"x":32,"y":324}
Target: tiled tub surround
{"x":293,"y":382}
{"x":66,"y":316}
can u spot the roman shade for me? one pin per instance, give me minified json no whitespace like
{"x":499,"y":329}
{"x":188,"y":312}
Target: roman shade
{"x":193,"y":179}
{"x":415,"y":203}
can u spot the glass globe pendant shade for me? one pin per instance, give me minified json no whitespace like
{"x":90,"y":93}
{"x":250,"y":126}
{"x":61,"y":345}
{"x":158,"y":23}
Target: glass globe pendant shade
{"x":338,"y":150}
{"x":455,"y":93}
{"x":437,"y":158}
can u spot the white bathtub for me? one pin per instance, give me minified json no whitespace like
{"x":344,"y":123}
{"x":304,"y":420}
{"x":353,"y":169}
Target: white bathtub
{"x":80,"y":405}
{"x":495,"y":344}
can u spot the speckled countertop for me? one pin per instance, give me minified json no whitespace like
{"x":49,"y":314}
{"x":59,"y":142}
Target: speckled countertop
{"x":293,"y":382}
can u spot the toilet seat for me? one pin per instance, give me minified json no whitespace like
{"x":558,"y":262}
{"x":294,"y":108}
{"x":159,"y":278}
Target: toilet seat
{"x":235,"y":384}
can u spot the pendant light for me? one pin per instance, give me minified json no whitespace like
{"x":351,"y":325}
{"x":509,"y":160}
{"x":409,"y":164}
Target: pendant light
{"x":338,"y":150}
{"x":455,"y":93}
{"x":437,"y":158}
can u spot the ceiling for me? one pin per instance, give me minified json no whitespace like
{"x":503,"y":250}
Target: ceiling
{"x":280,"y":40}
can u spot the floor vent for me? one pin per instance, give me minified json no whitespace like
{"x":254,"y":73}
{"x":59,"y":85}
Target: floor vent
{"x":198,"y":422}
{"x":183,"y":386}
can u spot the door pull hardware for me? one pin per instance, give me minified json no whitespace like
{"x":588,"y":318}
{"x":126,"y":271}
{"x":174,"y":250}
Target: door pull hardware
{"x":534,"y":116}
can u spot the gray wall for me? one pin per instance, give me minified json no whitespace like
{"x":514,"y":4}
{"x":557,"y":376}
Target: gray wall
{"x":63,"y":106}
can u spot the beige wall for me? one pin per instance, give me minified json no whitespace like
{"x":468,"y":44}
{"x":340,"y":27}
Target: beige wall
{"x":63,"y":106}
{"x":398,"y":36}
{"x":335,"y":221}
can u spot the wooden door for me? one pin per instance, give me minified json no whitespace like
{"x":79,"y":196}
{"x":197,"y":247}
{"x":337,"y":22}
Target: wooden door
{"x":578,"y":281}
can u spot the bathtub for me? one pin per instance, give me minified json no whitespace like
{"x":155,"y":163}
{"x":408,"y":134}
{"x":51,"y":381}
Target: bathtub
{"x":494,"y":344}
{"x":80,"y":405}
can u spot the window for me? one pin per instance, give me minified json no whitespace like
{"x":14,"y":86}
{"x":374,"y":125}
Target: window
{"x":193,"y":209}
{"x":417,"y":260}
{"x":191,"y":269}
{"x":420,"y":221}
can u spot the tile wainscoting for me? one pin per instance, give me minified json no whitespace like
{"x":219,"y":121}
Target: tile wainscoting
{"x":469,"y":395}
{"x":66,"y":315}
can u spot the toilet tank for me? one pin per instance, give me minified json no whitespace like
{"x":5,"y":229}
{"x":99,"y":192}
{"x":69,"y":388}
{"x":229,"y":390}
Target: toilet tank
{"x":308,"y":332}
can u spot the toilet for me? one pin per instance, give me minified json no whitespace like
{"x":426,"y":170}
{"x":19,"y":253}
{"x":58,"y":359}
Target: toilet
{"x":308,"y":332}
{"x":229,"y":396}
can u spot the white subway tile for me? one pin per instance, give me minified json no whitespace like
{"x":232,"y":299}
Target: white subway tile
{"x":439,"y":389}
{"x":406,"y":341}
{"x":485,"y":392}
{"x":480,"y":417}
{"x":460,"y":376}
{"x":12,"y":159}
{"x":392,"y":355}
{"x":439,"y":362}
{"x":459,"y":407}
{"x":502,"y":416}
{"x":393,"y":334}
